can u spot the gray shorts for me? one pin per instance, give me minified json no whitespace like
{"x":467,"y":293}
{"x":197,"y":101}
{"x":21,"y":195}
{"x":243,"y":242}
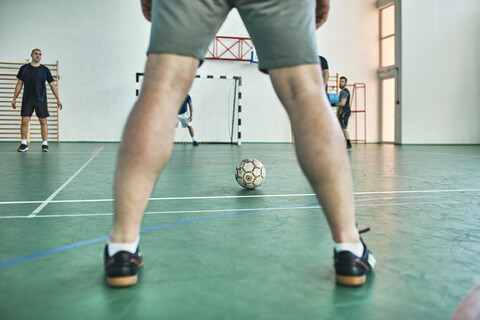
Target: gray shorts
{"x":343,"y":115}
{"x":283,"y":31}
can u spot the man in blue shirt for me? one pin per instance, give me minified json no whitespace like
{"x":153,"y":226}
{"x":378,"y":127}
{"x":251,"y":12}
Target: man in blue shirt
{"x":185,"y":117}
{"x":34,"y":75}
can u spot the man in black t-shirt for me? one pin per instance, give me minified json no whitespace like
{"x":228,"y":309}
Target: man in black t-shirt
{"x":325,"y":71}
{"x":344,"y":111}
{"x":34,"y":75}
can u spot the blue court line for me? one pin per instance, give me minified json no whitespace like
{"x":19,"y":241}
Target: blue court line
{"x":51,"y":251}
{"x":32,"y":256}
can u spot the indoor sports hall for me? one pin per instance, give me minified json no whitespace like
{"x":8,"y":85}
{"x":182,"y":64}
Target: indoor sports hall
{"x":211,"y":248}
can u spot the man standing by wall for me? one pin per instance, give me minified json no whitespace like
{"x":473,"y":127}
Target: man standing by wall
{"x":34,"y":75}
{"x":344,"y":109}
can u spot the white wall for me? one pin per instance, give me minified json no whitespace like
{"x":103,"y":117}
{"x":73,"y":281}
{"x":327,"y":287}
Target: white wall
{"x":440,"y":71}
{"x":101,"y":45}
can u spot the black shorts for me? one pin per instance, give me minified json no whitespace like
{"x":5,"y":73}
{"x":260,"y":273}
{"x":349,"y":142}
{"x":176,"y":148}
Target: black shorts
{"x":343,"y":115}
{"x":40,"y":107}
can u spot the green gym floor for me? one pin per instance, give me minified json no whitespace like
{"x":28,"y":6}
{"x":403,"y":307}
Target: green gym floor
{"x":215,"y":251}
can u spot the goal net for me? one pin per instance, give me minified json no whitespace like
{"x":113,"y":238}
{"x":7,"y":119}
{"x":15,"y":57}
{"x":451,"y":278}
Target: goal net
{"x":215,"y":105}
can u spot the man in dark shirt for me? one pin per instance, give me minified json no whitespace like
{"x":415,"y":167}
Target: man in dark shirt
{"x":34,"y":75}
{"x":344,"y":111}
{"x":325,"y":72}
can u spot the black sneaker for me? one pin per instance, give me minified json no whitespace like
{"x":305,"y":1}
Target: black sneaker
{"x":45,"y":148}
{"x":195,"y":143}
{"x":121,"y":269}
{"x":349,"y":145}
{"x":352,"y":270}
{"x":23,"y":147}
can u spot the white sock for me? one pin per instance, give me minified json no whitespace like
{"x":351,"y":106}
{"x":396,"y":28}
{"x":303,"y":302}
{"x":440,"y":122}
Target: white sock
{"x":45,"y":143}
{"x":355,"y":248}
{"x":24,"y":141}
{"x":114,"y":247}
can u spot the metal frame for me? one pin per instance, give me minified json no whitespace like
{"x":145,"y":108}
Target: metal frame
{"x":354,"y":105}
{"x":230,"y":49}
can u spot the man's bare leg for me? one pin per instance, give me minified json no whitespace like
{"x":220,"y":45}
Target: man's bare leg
{"x":24,"y":127}
{"x":148,"y":139}
{"x":44,"y":128}
{"x":190,"y":130}
{"x":319,"y":145}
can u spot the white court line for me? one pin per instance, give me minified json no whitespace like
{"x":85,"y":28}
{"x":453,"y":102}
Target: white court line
{"x":250,"y":196}
{"x":53,"y":195}
{"x":417,"y":191}
{"x":233,"y":210}
{"x":63,"y":152}
{"x":473,"y":156}
{"x":411,"y":178}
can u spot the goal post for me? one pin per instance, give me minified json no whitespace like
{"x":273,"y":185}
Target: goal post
{"x":216,"y":104}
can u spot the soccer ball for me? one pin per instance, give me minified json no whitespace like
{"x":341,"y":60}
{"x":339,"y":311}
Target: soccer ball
{"x":250,"y":173}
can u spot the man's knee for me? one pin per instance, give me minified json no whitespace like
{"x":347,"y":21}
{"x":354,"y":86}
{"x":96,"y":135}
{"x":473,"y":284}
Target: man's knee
{"x":297,"y":83}
{"x":166,"y":68}
{"x":168,"y":77}
{"x":25,"y":121}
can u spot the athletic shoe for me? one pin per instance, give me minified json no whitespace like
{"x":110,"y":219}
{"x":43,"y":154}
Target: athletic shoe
{"x":195,"y":143}
{"x":351,"y":270}
{"x":121,"y":269}
{"x":23,"y":147}
{"x":45,"y":148}
{"x":349,"y":145}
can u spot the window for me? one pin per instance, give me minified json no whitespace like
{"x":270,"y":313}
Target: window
{"x":387,"y":36}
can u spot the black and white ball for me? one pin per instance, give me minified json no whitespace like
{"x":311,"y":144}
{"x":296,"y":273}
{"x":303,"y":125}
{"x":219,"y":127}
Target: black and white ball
{"x":250,"y":173}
